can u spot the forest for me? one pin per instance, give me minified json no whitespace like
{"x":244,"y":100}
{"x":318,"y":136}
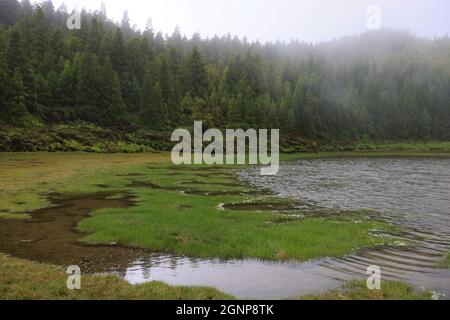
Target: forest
{"x":378,"y":86}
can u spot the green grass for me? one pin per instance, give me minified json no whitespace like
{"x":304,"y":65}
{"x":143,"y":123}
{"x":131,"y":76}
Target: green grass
{"x":445,"y":263}
{"x":19,"y":216}
{"x":417,"y":146}
{"x":366,"y":154}
{"x":357,"y":290}
{"x":386,"y":146}
{"x":169,"y":221}
{"x":193,"y":225}
{"x":27,"y":178}
{"x":25,"y":280}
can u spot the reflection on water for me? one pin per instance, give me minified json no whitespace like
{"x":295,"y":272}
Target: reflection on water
{"x":414,"y":193}
{"x":270,"y":280}
{"x":240,"y":278}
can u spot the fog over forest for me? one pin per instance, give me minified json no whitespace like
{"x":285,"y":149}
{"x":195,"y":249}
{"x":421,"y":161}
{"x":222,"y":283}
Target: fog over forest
{"x":381,"y":84}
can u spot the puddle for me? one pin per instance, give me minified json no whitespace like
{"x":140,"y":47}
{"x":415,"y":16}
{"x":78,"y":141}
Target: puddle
{"x":241,"y":278}
{"x":143,"y":184}
{"x":50,"y":236}
{"x":151,"y":185}
{"x":102,"y":186}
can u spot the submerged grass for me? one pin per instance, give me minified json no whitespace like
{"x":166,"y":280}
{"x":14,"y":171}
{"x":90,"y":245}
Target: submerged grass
{"x":357,"y":290}
{"x":25,"y":280}
{"x":445,"y":263}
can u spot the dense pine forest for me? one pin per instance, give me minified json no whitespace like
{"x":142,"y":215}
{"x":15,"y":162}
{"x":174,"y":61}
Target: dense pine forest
{"x":124,"y":84}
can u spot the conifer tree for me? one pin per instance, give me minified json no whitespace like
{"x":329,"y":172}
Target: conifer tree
{"x":196,"y":78}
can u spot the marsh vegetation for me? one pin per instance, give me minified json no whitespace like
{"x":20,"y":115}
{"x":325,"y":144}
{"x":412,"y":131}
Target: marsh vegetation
{"x":130,"y":209}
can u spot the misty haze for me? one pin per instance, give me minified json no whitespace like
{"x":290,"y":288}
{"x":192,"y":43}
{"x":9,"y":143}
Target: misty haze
{"x":134,"y":138}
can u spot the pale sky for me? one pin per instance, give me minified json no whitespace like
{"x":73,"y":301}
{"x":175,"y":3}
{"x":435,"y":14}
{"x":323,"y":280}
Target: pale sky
{"x":269,"y":20}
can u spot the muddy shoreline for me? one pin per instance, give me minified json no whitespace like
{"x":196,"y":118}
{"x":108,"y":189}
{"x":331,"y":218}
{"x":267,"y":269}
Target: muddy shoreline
{"x":50,"y":236}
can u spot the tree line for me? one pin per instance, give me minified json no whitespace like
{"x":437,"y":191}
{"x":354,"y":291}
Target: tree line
{"x":378,"y":85}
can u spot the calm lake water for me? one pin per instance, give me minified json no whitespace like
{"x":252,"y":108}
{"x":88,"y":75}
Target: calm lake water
{"x":413,"y":193}
{"x":410,"y":191}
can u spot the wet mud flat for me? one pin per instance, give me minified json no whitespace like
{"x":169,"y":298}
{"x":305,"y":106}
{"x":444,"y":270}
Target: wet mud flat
{"x":50,"y":236}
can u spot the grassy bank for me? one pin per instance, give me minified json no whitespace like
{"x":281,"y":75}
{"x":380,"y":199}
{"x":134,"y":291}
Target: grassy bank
{"x":357,"y":290}
{"x":88,"y":137}
{"x":297,"y":145}
{"x":25,"y":280}
{"x":80,"y":136}
{"x":366,"y":154}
